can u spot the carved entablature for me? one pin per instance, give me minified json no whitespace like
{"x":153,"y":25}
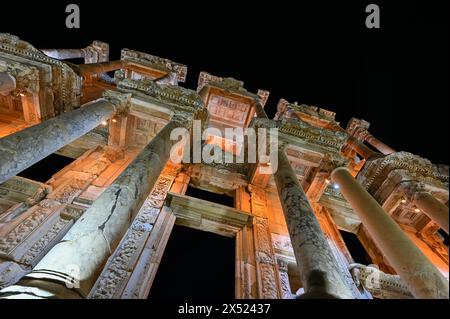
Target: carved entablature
{"x":310,"y":114}
{"x":18,"y":193}
{"x":176,"y":98}
{"x":333,"y":141}
{"x":159,"y":65}
{"x":228,"y":84}
{"x":375,"y":172}
{"x":396,"y":194}
{"x":358,"y":128}
{"x":26,"y":76}
{"x":221,"y":179}
{"x":228,"y":102}
{"x":59,"y":86}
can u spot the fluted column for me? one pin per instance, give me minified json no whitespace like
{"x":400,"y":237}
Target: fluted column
{"x":433,"y":208}
{"x":7,"y":83}
{"x":422,"y":278}
{"x":318,"y":268}
{"x":26,"y":147}
{"x":94,"y":237}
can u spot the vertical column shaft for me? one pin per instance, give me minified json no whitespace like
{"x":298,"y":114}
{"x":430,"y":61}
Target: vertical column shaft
{"x":319,"y":271}
{"x":422,"y":278}
{"x":433,"y":208}
{"x":24,"y":148}
{"x":94,"y":237}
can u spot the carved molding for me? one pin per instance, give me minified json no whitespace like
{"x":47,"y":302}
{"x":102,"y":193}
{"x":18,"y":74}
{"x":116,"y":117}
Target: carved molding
{"x":68,"y":87}
{"x":265,"y":260}
{"x":155,"y":62}
{"x":376,"y":171}
{"x":378,"y":283}
{"x":175,"y":97}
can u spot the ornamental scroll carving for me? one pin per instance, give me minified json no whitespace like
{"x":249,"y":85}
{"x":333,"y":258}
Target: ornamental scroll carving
{"x":265,"y":260}
{"x":120,"y":266}
{"x":284,"y":279}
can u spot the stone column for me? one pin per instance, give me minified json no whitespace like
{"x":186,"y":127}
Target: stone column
{"x":318,"y":268}
{"x":63,"y":54}
{"x":79,"y":257}
{"x":379,"y":145}
{"x":7,"y":83}
{"x":433,"y":208}
{"x":101,"y":67}
{"x":422,"y":278}
{"x":25,"y":148}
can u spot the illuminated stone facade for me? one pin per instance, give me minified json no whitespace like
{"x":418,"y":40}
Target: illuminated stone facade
{"x":98,"y":228}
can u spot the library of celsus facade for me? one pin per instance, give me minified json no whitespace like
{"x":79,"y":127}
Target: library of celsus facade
{"x":98,"y":227}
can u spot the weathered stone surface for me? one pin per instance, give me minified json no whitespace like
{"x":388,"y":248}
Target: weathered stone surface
{"x":313,"y":254}
{"x":94,"y":237}
{"x":23,"y":149}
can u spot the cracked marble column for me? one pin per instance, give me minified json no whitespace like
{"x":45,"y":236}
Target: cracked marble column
{"x":422,"y":278}
{"x":27,"y":147}
{"x":319,"y":270}
{"x":77,"y":260}
{"x":433,"y":208}
{"x":7,"y":83}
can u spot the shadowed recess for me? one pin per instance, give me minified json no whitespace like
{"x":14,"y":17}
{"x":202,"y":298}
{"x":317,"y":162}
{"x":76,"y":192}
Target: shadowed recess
{"x":195,"y":264}
{"x":43,"y":170}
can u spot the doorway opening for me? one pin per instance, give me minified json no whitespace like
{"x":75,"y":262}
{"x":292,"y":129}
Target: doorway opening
{"x":195,"y":264}
{"x":355,"y":248}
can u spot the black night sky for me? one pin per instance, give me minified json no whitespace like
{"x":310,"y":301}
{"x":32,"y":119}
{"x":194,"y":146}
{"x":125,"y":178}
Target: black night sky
{"x":313,"y":52}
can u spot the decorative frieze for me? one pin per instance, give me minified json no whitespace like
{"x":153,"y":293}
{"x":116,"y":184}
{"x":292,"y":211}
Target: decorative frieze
{"x":155,"y":62}
{"x":265,"y":260}
{"x":175,"y":97}
{"x":286,"y":292}
{"x":375,"y":172}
